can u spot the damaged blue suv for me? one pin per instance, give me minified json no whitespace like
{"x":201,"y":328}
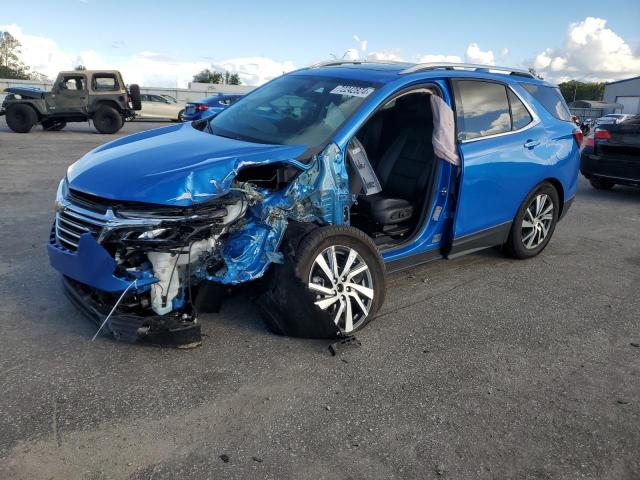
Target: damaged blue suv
{"x":307,"y":191}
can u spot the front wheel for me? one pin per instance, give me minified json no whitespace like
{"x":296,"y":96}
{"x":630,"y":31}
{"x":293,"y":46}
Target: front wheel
{"x":331,"y":283}
{"x":344,"y":271}
{"x":535,"y":222}
{"x":21,"y":118}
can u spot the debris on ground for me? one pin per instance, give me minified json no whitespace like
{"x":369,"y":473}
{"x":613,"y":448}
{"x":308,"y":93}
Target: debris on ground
{"x":257,"y":459}
{"x":224,"y":458}
{"x":345,"y":342}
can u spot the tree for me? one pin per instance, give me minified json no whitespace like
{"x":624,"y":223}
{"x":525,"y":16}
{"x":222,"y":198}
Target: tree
{"x":11,"y":65}
{"x":533,"y":72}
{"x":576,"y":90}
{"x":208,"y":76}
{"x":213,"y":76}
{"x":80,"y":67}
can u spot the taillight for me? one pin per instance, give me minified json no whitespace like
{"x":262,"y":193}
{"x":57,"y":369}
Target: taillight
{"x":202,"y":108}
{"x":575,"y":119}
{"x":590,"y":142}
{"x":602,"y":135}
{"x":578,"y":136}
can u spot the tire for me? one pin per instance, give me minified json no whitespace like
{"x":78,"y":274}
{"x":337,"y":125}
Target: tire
{"x":134,"y":93}
{"x":534,"y":224}
{"x":601,"y":184}
{"x":180,"y":115}
{"x":107,"y":120}
{"x":314,"y":312}
{"x":21,"y":118}
{"x":53,"y":125}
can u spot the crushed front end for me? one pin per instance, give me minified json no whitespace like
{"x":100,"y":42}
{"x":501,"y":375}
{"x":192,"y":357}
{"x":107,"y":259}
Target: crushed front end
{"x":104,"y":248}
{"x":141,"y":265}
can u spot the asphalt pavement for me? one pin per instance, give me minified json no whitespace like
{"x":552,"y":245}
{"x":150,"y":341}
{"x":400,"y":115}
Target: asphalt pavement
{"x":477,"y":368}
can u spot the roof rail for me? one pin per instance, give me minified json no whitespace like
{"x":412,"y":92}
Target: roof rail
{"x":421,"y":67}
{"x":338,"y":62}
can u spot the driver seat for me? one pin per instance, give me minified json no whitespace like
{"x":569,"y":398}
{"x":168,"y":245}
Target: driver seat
{"x":405,"y":167}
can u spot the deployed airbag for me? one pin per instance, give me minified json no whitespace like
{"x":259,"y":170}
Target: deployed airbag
{"x":444,"y":131}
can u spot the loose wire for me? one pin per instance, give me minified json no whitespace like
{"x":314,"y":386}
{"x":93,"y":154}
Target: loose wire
{"x":132,"y":284}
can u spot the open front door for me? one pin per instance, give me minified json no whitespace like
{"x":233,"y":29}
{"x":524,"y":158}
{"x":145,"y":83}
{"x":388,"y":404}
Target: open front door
{"x":503,"y":147}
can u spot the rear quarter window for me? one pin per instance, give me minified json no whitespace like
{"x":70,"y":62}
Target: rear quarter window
{"x":551,"y":99}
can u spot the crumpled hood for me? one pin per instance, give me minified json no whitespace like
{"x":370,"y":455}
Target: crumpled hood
{"x":175,"y":165}
{"x":28,"y":92}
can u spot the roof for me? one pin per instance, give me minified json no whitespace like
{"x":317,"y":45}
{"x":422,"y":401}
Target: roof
{"x":380,"y":71}
{"x":625,"y":80}
{"x":88,"y":72}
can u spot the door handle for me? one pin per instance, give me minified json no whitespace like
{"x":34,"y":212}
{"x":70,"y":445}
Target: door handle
{"x":531,"y":143}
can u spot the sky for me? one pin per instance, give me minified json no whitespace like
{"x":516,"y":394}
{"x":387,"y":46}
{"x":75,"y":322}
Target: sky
{"x":161,"y":43}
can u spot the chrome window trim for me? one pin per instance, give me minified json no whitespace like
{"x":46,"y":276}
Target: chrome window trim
{"x":535,"y":118}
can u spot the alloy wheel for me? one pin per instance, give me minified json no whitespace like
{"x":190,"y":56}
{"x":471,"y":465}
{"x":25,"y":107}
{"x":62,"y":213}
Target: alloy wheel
{"x":343,"y":285}
{"x":537,"y":221}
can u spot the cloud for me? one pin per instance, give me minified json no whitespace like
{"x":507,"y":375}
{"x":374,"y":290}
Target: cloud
{"x":475,"y":55}
{"x":591,"y":52}
{"x":438,"y":58}
{"x":504,"y":52}
{"x":351,"y":54}
{"x":361,"y":43}
{"x":147,"y":68}
{"x":393,"y":54}
{"x":255,"y":70}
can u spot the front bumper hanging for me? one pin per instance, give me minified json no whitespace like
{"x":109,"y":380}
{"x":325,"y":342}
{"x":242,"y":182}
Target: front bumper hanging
{"x":179,"y":330}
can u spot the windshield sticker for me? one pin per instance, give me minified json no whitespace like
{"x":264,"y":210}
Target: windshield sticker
{"x":351,"y":91}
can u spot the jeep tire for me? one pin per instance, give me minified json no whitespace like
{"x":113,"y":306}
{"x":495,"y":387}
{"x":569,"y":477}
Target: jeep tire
{"x":107,"y":120}
{"x":21,"y":118}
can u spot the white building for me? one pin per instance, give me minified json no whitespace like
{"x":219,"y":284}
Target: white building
{"x":626,"y":93}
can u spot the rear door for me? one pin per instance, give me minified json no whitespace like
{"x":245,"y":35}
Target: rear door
{"x":504,"y":149}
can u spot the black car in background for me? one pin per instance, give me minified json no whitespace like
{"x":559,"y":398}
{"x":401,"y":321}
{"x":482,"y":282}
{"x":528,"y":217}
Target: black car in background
{"x":611,"y":155}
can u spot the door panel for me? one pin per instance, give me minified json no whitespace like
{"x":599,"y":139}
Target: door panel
{"x":497,"y":174}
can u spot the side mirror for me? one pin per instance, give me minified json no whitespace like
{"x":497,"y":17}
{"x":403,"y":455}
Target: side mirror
{"x":62,"y":86}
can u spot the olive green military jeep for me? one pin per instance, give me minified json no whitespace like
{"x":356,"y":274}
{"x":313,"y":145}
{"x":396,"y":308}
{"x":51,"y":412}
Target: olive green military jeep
{"x":77,"y":96}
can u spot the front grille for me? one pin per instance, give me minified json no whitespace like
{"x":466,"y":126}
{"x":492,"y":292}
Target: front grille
{"x":73,"y":222}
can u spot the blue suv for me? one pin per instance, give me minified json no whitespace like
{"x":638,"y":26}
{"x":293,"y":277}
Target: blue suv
{"x":307,"y":191}
{"x":207,"y":106}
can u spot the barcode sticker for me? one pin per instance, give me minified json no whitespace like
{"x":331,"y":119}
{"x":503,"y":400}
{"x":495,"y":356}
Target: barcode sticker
{"x":352,"y":91}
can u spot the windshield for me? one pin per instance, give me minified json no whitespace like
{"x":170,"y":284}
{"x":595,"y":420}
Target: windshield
{"x":293,"y":110}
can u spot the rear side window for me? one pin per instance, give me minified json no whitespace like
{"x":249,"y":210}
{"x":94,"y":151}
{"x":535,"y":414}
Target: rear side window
{"x":551,"y":99}
{"x":520,"y":116}
{"x":482,"y":109}
{"x":105,"y":82}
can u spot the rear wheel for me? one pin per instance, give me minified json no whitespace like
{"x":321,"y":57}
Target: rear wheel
{"x":107,"y":120}
{"x":21,"y":118}
{"x":535,"y":222}
{"x":601,"y":184}
{"x":181,"y":116}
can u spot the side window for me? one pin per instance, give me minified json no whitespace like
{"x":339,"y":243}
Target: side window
{"x":72,"y":82}
{"x":104,"y":82}
{"x":520,"y":116}
{"x":551,"y":99}
{"x":482,"y":108}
